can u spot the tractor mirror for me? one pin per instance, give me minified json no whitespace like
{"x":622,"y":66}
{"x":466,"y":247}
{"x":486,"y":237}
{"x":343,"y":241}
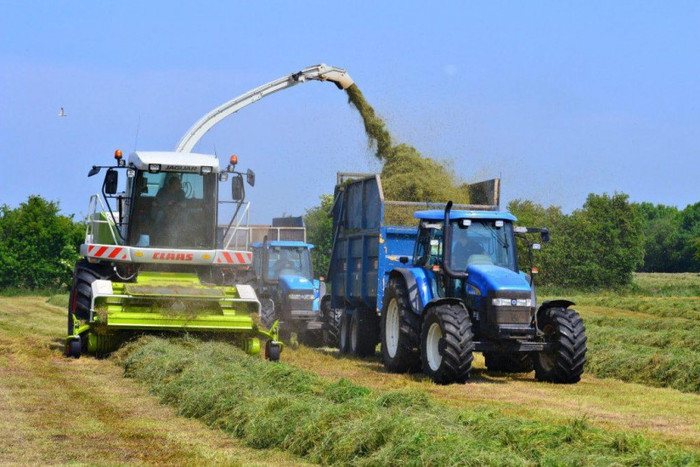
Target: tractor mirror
{"x":110,"y":183}
{"x":250,"y":177}
{"x":237,"y":189}
{"x":94,"y":171}
{"x":403,"y":259}
{"x":545,"y":236}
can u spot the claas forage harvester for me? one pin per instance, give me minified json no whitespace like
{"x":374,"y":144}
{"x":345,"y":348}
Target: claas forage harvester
{"x":154,"y":260}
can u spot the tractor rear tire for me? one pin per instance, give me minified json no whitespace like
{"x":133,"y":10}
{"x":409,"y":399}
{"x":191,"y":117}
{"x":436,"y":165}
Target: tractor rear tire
{"x":447,"y":344}
{"x":344,"y":337}
{"x":331,"y":323}
{"x":563,"y":364}
{"x":363,"y":333}
{"x":400,"y":330}
{"x":267,"y":312}
{"x":509,"y":362}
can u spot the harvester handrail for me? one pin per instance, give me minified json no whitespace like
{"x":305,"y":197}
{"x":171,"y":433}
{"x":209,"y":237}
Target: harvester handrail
{"x":94,"y":219}
{"x":241,"y":215}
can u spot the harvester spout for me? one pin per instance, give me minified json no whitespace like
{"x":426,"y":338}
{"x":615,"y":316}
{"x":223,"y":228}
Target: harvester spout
{"x":320,"y":72}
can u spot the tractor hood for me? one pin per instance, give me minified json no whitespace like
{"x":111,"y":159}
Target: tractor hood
{"x":294,"y":283}
{"x":487,"y":278}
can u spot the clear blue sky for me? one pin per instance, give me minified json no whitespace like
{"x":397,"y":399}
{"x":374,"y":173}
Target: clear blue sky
{"x":559,"y":98}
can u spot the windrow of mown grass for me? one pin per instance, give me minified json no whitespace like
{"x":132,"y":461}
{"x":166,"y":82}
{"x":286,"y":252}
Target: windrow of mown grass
{"x":647,"y":333}
{"x":276,"y":405}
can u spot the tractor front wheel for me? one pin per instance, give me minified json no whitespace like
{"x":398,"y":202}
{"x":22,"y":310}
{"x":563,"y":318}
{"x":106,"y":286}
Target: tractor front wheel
{"x":563,"y":364}
{"x":447,"y":344}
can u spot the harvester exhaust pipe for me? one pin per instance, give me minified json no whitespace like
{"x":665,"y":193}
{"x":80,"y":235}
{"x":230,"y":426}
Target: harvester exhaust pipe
{"x":447,"y":247}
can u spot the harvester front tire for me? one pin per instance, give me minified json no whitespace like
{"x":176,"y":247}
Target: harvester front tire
{"x":563,"y":364}
{"x":84,"y":275}
{"x":363,"y":333}
{"x":399,"y":330}
{"x":508,"y":362}
{"x":447,"y":344}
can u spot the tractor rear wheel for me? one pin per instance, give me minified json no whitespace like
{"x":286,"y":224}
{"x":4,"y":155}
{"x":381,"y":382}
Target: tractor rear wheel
{"x":400,"y":330}
{"x":563,"y":364}
{"x":331,"y":322}
{"x":508,"y":362}
{"x":363,"y":332}
{"x":447,"y":344}
{"x":267,"y":312}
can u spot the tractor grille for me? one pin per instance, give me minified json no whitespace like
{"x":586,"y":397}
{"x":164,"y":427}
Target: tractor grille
{"x":301,"y":304}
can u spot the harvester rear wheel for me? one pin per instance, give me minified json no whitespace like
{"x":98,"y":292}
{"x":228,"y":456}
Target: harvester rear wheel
{"x":363,"y":332}
{"x":400,"y":330}
{"x":564,"y":364}
{"x":447,"y":344}
{"x":509,"y":362}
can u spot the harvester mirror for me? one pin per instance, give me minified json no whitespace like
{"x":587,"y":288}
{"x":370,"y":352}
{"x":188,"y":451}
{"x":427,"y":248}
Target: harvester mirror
{"x":237,"y":189}
{"x":110,"y":183}
{"x":250,"y":177}
{"x":545,"y":235}
{"x":94,"y":171}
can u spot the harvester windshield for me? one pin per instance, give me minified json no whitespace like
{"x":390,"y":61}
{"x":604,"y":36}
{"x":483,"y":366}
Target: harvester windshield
{"x":174,"y":209}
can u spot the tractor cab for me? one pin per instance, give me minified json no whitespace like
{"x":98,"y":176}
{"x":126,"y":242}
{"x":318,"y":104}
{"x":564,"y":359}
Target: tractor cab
{"x":475,"y":259}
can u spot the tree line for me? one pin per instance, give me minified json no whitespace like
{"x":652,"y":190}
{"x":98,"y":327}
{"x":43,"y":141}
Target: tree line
{"x":599,"y":245}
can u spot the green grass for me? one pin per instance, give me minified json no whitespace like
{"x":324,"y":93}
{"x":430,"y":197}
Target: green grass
{"x":281,"y":406}
{"x":646,"y":333}
{"x":59,"y":300}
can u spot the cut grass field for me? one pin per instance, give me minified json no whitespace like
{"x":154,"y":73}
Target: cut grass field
{"x":59,"y":411}
{"x":320,"y":407}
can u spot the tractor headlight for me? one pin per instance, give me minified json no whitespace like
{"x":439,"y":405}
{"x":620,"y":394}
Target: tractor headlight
{"x":511,"y":302}
{"x":297,"y":296}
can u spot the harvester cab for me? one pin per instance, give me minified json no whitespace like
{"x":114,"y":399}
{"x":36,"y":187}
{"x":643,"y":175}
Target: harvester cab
{"x":155,"y":260}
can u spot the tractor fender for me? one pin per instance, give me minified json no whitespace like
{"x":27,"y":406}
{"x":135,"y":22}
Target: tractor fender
{"x":417,"y":285}
{"x":547,"y":304}
{"x":445,"y":301}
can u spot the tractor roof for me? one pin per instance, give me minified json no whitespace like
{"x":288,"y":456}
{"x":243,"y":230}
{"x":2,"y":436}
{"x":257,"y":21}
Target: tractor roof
{"x":174,"y":161}
{"x":438,"y":215}
{"x":284,"y":243}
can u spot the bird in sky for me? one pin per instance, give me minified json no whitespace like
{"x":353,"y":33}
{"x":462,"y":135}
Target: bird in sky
{"x":62,"y":113}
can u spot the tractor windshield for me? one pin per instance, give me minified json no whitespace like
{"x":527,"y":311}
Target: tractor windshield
{"x":481,"y":242}
{"x":288,"y":261}
{"x":173,"y":210}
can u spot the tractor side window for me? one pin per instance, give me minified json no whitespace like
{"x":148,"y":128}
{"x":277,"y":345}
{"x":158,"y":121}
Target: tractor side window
{"x":429,"y":245}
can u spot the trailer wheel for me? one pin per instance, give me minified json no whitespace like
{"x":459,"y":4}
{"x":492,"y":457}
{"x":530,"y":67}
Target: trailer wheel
{"x":564,"y":364}
{"x":363,"y":332}
{"x":447,"y":344}
{"x":343,"y":339}
{"x":508,"y":362}
{"x":400,"y":330}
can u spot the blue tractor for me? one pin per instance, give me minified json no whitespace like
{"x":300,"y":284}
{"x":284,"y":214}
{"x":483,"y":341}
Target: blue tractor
{"x":283,"y":280}
{"x":435,"y":294}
